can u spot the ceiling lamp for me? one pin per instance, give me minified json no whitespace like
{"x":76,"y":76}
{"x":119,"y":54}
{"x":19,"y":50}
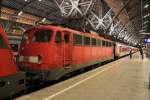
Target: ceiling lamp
{"x":20,"y":13}
{"x":43,"y":20}
{"x":147,"y":15}
{"x":146,"y":22}
{"x":145,"y":26}
{"x":146,"y":6}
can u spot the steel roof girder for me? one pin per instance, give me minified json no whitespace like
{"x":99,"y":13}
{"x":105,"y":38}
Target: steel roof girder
{"x":96,"y":22}
{"x":71,"y":7}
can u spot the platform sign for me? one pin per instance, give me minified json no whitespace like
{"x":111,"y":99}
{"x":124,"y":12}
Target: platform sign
{"x":147,"y":40}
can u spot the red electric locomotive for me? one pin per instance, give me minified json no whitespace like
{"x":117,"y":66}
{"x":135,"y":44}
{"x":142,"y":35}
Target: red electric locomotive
{"x":11,"y":81}
{"x":51,"y":51}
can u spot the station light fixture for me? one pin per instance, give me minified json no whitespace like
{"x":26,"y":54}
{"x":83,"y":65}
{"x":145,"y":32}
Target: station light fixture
{"x":139,"y":44}
{"x":147,"y":15}
{"x":141,"y":31}
{"x":146,"y":22}
{"x":20,"y":13}
{"x":144,"y":33}
{"x":43,"y":20}
{"x":39,"y":0}
{"x":146,"y":6}
{"x":66,"y":3}
{"x":25,"y":0}
{"x":145,"y":26}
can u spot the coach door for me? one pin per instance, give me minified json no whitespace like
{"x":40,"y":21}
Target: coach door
{"x":67,"y":49}
{"x":59,"y":55}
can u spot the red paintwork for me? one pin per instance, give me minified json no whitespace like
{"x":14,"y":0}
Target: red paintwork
{"x":57,"y":55}
{"x":124,"y":49}
{"x":7,"y":64}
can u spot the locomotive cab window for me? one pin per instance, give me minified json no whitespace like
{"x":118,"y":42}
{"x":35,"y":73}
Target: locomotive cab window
{"x":77,"y":39}
{"x":2,"y":43}
{"x":42,"y":36}
{"x":58,"y":37}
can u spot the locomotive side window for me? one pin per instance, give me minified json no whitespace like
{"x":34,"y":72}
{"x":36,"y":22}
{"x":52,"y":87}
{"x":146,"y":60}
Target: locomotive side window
{"x":42,"y":36}
{"x":93,"y":41}
{"x":2,"y":43}
{"x":77,"y":39}
{"x":66,"y":37}
{"x":58,"y":37}
{"x":99,"y":42}
{"x":86,"y":41}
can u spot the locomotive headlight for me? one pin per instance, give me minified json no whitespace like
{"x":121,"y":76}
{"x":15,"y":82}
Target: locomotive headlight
{"x":35,"y":59}
{"x":31,"y":59}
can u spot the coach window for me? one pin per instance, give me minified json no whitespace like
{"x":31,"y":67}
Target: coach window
{"x":99,"y":42}
{"x":107,"y":44}
{"x":14,"y":47}
{"x":93,"y":41}
{"x":103,"y":43}
{"x":77,"y":39}
{"x":2,"y":43}
{"x":86,"y":41}
{"x":110,"y":44}
{"x":58,"y":37}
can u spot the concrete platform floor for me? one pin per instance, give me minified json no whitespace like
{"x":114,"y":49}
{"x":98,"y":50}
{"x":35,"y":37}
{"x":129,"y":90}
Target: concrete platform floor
{"x":124,"y":79}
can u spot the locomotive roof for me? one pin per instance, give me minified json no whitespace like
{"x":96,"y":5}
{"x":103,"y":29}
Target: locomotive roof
{"x":66,"y":29}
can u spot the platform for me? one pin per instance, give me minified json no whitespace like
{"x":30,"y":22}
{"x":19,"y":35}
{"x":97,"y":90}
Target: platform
{"x":124,"y":79}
